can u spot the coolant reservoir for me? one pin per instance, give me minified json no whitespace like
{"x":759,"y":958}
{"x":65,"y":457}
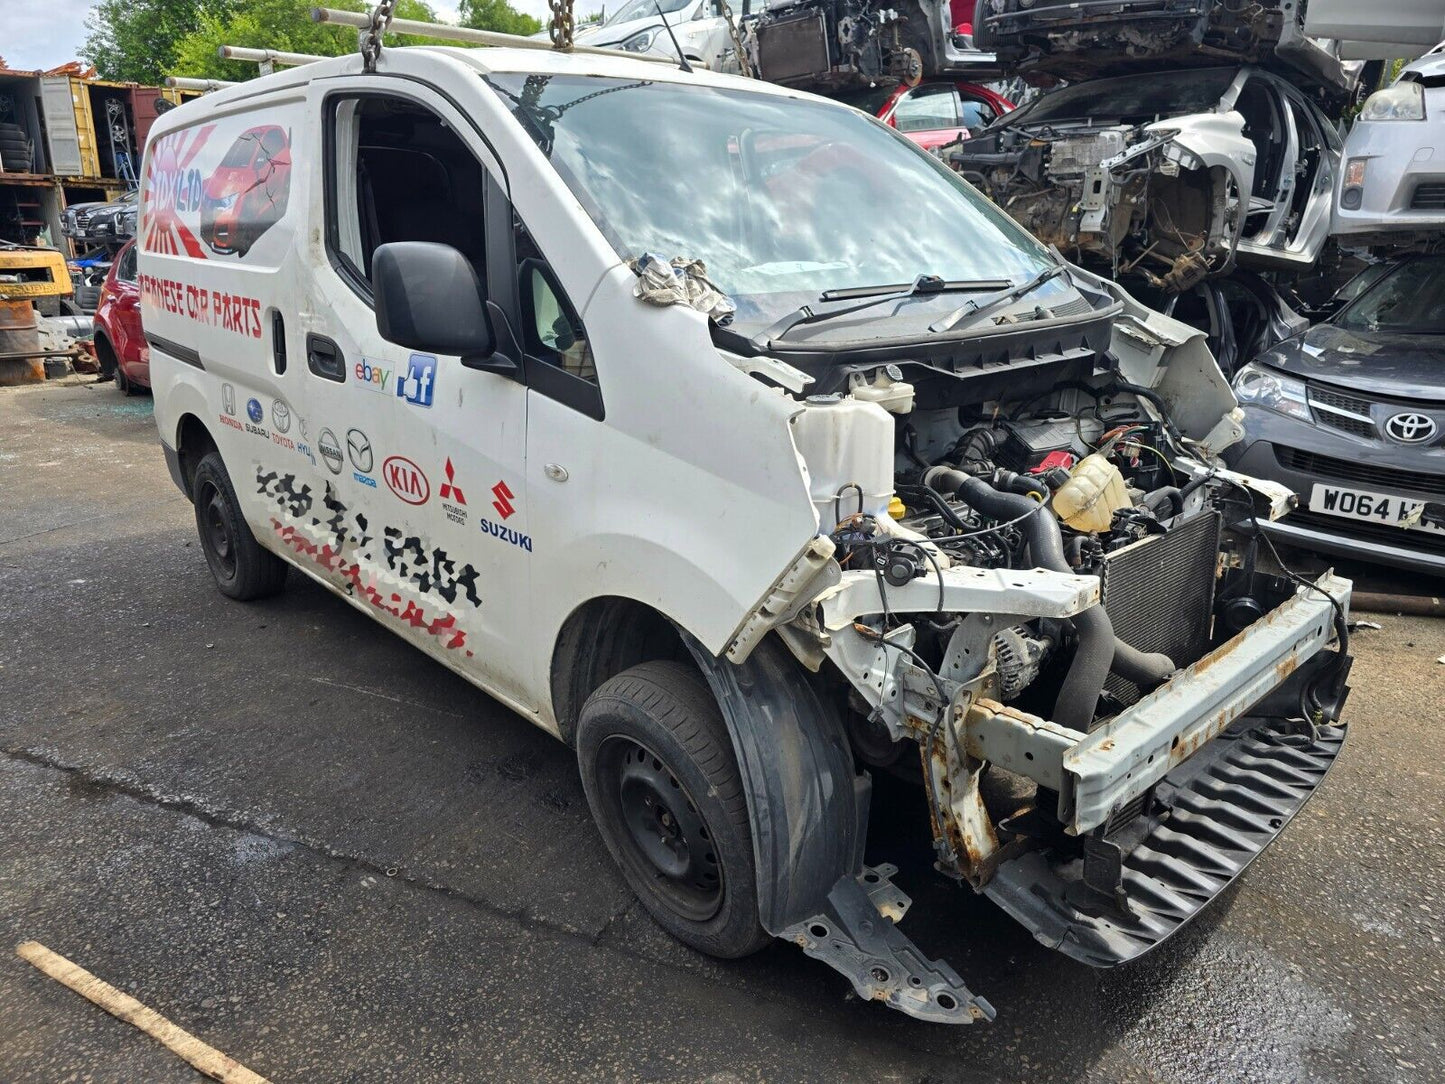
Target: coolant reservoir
{"x":844,"y":441}
{"x":1094,"y":492}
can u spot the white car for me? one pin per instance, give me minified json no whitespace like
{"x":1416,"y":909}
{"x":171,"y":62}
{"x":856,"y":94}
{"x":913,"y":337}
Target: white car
{"x":729,"y":437}
{"x":698,"y":25}
{"x":1392,"y":186}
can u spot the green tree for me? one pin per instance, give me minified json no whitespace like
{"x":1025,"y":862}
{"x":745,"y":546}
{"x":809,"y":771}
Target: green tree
{"x":284,"y":25}
{"x":135,"y":40}
{"x":497,"y":16}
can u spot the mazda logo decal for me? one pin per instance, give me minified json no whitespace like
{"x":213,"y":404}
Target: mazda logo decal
{"x":1411,"y":428}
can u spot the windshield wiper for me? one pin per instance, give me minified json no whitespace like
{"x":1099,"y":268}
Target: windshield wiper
{"x":983,"y":306}
{"x":873,"y":295}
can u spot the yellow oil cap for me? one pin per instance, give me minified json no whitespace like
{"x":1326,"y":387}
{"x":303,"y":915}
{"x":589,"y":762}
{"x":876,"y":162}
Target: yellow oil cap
{"x":896,"y":508}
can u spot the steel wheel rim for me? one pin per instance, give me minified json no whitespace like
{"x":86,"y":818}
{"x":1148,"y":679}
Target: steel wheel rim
{"x":215,"y":529}
{"x":661,"y":830}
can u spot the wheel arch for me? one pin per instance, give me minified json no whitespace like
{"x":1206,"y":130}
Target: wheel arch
{"x":193,"y":442}
{"x":807,"y":804}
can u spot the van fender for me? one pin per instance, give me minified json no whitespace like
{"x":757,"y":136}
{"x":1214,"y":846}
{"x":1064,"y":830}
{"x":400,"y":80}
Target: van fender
{"x":809,"y":813}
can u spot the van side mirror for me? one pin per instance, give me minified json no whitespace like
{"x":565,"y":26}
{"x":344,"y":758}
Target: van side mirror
{"x":428,"y":298}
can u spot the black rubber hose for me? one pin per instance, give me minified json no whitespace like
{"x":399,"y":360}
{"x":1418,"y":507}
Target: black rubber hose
{"x":1173,"y":496}
{"x":1020,"y":483}
{"x":1098,"y":647}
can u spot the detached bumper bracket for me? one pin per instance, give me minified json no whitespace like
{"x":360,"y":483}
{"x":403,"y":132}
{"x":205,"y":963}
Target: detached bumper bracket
{"x":856,"y":936}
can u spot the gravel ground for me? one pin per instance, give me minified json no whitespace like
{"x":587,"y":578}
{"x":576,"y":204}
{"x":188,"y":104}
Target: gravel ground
{"x":319,"y":851}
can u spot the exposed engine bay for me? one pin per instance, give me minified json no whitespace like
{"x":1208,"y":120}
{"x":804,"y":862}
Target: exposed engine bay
{"x":1037,"y":576}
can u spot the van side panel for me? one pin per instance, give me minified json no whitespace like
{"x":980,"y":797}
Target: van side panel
{"x":217,"y":260}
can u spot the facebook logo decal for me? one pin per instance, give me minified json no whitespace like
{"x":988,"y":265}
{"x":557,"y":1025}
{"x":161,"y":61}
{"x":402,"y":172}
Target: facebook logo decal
{"x":419,"y":381}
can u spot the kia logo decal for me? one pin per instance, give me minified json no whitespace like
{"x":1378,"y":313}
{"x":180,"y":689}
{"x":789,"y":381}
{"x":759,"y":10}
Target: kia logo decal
{"x":1411,"y":428}
{"x":405,"y":479}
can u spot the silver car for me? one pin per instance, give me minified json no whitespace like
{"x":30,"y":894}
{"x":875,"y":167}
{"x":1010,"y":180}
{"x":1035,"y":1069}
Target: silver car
{"x":1393,"y":181}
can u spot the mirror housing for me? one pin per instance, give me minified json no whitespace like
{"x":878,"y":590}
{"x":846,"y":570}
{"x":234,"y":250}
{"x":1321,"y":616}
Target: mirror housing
{"x":428,"y":298}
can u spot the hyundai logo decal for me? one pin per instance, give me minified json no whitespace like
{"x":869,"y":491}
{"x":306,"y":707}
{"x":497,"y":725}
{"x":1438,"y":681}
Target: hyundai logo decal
{"x":1411,"y":428}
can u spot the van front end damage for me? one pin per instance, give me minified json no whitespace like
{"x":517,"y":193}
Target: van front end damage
{"x":1131,"y":828}
{"x":1033,"y":573}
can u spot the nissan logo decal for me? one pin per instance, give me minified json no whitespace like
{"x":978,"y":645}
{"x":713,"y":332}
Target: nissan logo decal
{"x":1411,"y":428}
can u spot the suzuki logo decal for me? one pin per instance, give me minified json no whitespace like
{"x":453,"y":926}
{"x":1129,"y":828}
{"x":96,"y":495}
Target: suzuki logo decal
{"x":1411,"y":428}
{"x":405,"y":479}
{"x":503,"y":503}
{"x":450,"y":491}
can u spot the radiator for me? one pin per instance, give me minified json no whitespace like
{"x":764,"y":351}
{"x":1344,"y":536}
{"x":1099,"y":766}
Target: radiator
{"x":1159,"y":593}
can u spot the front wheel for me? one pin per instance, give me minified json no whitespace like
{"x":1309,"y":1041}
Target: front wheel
{"x":663,"y":784}
{"x":242,"y":568}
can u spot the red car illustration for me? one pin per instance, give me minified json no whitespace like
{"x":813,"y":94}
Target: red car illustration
{"x":247,"y":193}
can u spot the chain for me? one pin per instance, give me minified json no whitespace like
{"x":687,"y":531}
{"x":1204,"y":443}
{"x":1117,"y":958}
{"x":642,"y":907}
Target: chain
{"x":744,"y":64}
{"x":560,"y":30}
{"x":370,"y":37}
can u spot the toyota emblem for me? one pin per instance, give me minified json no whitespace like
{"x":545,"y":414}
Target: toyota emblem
{"x":1411,"y":428}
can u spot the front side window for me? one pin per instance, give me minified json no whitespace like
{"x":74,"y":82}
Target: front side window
{"x":551,"y":329}
{"x":781,"y":197}
{"x":926,"y":109}
{"x":125,"y":271}
{"x":398,"y":172}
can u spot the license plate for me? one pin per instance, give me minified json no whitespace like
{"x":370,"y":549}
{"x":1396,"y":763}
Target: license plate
{"x":1373,"y":507}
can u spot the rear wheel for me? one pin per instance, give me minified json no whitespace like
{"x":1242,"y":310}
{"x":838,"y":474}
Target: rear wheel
{"x":661,"y":779}
{"x":122,"y":382}
{"x":242,"y":568}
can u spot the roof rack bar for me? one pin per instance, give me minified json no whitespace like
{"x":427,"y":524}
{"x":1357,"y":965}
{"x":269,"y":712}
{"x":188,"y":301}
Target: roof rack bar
{"x":182,"y":83}
{"x":467,"y":36}
{"x":267,"y":56}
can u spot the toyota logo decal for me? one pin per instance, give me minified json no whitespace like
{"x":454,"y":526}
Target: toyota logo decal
{"x":1411,"y":428}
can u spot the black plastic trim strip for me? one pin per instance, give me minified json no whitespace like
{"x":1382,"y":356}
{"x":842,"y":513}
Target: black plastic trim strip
{"x":181,"y":353}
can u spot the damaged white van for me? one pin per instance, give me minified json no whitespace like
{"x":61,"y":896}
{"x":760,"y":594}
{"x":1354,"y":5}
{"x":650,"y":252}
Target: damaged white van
{"x":879,"y":484}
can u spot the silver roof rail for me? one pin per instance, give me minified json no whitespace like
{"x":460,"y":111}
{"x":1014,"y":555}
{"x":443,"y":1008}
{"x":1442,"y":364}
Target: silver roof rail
{"x":467,"y":36}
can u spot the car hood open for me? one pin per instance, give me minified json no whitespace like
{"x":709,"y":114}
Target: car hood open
{"x":1378,"y":362}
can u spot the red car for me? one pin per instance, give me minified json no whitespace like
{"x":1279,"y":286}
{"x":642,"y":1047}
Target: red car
{"x":932,"y":113}
{"x":248,"y":192}
{"x":119,"y":344}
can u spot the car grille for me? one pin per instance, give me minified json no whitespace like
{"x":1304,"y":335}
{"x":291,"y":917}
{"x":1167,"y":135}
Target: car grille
{"x":1429,"y":197}
{"x":1386,"y":479}
{"x":82,"y":219}
{"x":1346,"y":413}
{"x":1159,"y":594}
{"x":1364,"y":531}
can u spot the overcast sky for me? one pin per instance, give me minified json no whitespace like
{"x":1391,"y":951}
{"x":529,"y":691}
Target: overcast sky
{"x":47,"y":33}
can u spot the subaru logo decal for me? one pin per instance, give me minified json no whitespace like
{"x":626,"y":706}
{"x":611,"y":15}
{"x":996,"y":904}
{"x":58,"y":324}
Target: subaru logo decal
{"x":1410,"y":428}
{"x":253,"y":410}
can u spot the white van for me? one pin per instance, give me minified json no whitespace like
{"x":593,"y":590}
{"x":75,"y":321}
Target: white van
{"x":880,"y":485}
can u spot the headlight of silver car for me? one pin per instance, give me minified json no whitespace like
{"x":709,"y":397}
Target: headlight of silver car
{"x":1403,"y":101}
{"x":641,"y":41}
{"x":1273,"y":391}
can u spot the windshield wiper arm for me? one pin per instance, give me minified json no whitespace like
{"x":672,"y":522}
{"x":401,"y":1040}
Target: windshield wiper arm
{"x":983,"y":306}
{"x":872,"y":295}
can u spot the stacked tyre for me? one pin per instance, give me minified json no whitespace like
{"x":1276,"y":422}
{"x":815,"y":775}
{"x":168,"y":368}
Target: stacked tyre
{"x":15,"y":149}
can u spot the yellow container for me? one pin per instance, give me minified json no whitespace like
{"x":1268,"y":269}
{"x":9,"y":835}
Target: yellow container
{"x":1094,"y":492}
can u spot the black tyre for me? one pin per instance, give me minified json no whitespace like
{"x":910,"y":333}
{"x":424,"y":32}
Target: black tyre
{"x":122,"y":382}
{"x":660,"y":776}
{"x":243,"y":570}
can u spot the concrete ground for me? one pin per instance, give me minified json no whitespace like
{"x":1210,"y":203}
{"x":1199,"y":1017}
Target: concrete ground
{"x":329,"y":857}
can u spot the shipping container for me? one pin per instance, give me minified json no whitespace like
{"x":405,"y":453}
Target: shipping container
{"x":93,"y":125}
{"x":20,"y":106}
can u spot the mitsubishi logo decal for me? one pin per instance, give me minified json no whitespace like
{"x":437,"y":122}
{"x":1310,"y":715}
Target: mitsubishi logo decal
{"x":450,"y":491}
{"x":1410,"y":428}
{"x":503,"y":503}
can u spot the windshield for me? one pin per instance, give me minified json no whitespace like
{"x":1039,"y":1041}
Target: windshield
{"x":642,"y":9}
{"x":1131,"y":99}
{"x":1408,"y":298}
{"x":783,"y":198}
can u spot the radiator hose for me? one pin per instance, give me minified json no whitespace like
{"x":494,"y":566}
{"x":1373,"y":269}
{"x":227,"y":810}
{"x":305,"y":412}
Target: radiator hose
{"x":1098,"y":651}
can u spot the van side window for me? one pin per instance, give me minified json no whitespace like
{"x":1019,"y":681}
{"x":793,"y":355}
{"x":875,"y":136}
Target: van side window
{"x":551,"y":328}
{"x":397,"y":172}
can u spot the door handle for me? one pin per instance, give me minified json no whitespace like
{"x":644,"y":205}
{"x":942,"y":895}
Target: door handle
{"x":324,"y":357}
